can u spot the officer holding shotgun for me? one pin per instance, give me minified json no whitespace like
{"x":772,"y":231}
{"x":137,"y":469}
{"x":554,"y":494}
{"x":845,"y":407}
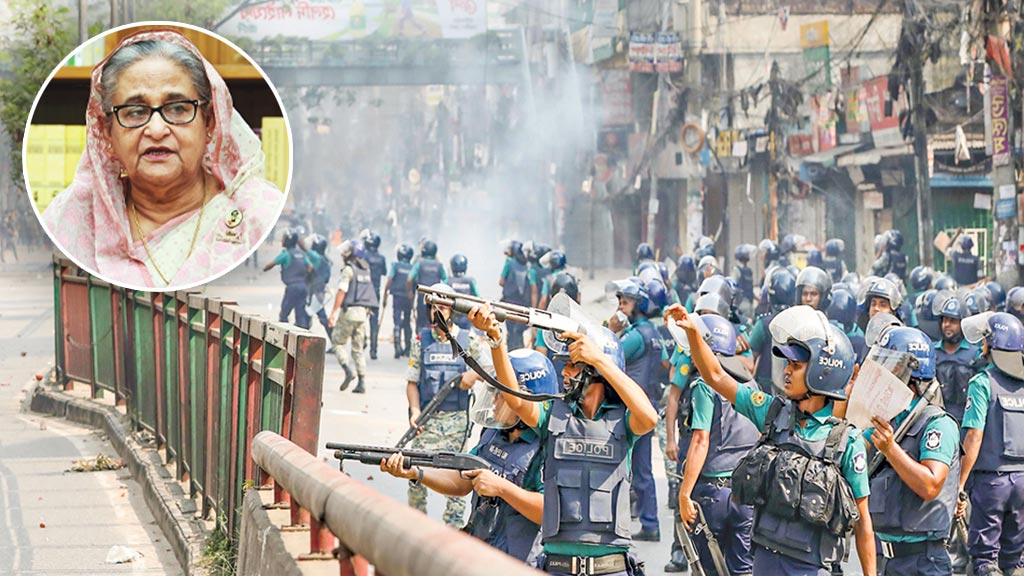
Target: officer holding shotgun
{"x":431,"y":364}
{"x":507,"y":503}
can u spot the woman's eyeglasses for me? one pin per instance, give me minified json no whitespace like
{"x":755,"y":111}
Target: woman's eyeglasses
{"x":138,"y":115}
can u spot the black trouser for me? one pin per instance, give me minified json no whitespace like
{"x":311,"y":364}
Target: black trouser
{"x":374,"y":330}
{"x":401,"y":314}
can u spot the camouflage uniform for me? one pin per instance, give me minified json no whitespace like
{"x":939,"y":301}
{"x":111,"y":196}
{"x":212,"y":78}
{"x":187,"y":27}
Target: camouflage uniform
{"x":445,"y":431}
{"x":350,"y":326}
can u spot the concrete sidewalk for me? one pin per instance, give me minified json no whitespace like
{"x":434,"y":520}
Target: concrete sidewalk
{"x":55,"y":522}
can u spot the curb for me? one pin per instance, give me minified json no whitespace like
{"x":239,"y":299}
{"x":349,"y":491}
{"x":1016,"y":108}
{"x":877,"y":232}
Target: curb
{"x":163,"y":494}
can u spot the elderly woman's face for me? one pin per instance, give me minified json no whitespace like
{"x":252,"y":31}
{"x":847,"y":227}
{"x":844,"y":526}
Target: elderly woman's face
{"x":158,"y":155}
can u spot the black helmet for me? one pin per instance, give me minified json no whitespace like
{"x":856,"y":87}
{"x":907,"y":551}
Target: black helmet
{"x":770,"y":249}
{"x":404,"y":253}
{"x":744,"y":252}
{"x":895,"y":240}
{"x":781,"y":289}
{"x":944,"y":282}
{"x":564,"y":282}
{"x":705,"y":247}
{"x":819,"y":280}
{"x":834,"y":247}
{"x":459,"y":264}
{"x":429,"y":249}
{"x":373,"y":241}
{"x":539,"y":250}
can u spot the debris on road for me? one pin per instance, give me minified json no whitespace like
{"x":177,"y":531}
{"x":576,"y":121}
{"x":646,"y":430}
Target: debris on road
{"x":122,"y":555}
{"x":100,"y":462}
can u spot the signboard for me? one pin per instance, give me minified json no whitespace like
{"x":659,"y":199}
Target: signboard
{"x":824,"y":123}
{"x":641,"y":52}
{"x":661,"y":52}
{"x":339,"y":20}
{"x":616,"y":99}
{"x":606,"y":19}
{"x":885,"y":128}
{"x":814,"y":41}
{"x":1000,"y":114}
{"x":814,"y":35}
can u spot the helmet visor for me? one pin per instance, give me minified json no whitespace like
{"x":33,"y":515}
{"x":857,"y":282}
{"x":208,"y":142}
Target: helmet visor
{"x":679,"y":335}
{"x":877,"y":325}
{"x":940,"y":299}
{"x":898,"y":363}
{"x":800,"y":323}
{"x":572,"y":314}
{"x":488,"y":408}
{"x":976,"y":328}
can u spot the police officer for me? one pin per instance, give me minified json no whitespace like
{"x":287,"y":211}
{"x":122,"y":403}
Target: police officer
{"x":538,"y":274}
{"x":878,"y":295}
{"x":781,"y":294}
{"x":814,"y":288}
{"x":515,"y":288}
{"x":891,"y":258}
{"x":914,"y":492}
{"x":833,"y":262}
{"x":956,"y":360}
{"x":558,"y":283}
{"x":707,"y":267}
{"x":555,"y":262}
{"x":743,"y":274}
{"x":295,"y":265}
{"x":353,"y":304}
{"x":927,"y":321}
{"x":401,"y":315}
{"x":965,"y":263}
{"x":431,"y":364}
{"x":685,"y":280}
{"x":427,"y":271}
{"x":798,"y":430}
{"x":842,"y":311}
{"x":378,"y":269}
{"x":996,"y":294}
{"x":588,"y":441}
{"x":513,"y":452}
{"x":920,"y":281}
{"x":462,"y":284}
{"x":1015,"y":302}
{"x":992,"y":444}
{"x":643,"y":365}
{"x":321,"y":276}
{"x":719,"y":438}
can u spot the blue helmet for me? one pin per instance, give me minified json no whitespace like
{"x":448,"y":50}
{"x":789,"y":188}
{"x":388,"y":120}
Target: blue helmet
{"x":657,"y":297}
{"x":318,"y":243}
{"x":949,"y":305}
{"x":459,"y":264}
{"x":881,"y":288}
{"x":744,"y":252}
{"x":429,"y":249}
{"x":782,"y":289}
{"x":723,"y":334}
{"x":923,"y":305}
{"x":894,"y":240}
{"x":555,"y":260}
{"x":790,"y":242}
{"x":1015,"y":301}
{"x":515,"y":250}
{"x":663,"y":271}
{"x":686,"y":270}
{"x":996,"y":294}
{"x":814,"y":258}
{"x":921,"y":278}
{"x":404,"y":253}
{"x":976,"y":301}
{"x":944,"y":282}
{"x":1004,"y":335}
{"x":648,"y":270}
{"x":539,"y":250}
{"x":818,"y":279}
{"x":534,"y":371}
{"x":843,"y":309}
{"x":372,"y":242}
{"x":290,"y":238}
{"x":706,"y":263}
{"x":564,"y":282}
{"x":635,"y":292}
{"x":770,"y":249}
{"x":966,"y":243}
{"x":806,"y":335}
{"x":834,"y":247}
{"x":644,"y":251}
{"x":914,"y":342}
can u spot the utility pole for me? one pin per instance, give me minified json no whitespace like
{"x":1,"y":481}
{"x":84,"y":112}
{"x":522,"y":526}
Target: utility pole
{"x":922,"y":183}
{"x":660,"y":95}
{"x":83,"y":22}
{"x":774,"y":138}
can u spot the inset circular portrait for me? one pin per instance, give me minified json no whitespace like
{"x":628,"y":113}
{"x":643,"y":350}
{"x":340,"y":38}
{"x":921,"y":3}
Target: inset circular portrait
{"x":157,"y":156}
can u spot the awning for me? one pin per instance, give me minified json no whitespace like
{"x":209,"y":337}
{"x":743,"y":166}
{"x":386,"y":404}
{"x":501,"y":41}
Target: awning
{"x":944,"y":180}
{"x":874,"y":156}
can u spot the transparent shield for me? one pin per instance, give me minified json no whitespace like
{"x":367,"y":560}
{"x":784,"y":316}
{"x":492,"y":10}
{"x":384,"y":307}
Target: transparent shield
{"x":563,"y":305}
{"x":800,"y":323}
{"x":488,"y":408}
{"x":878,"y":324}
{"x":679,"y":335}
{"x":899,"y":364}
{"x":976,"y":327}
{"x":940,"y":299}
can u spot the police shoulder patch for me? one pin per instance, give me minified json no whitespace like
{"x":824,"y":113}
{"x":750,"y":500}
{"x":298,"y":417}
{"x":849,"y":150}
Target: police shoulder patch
{"x":758,"y":398}
{"x":684,"y":369}
{"x":860,"y":462}
{"x":933,"y":439}
{"x":967,"y":405}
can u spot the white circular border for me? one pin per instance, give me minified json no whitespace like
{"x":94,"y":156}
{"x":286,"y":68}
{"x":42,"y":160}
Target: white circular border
{"x":284,"y":193}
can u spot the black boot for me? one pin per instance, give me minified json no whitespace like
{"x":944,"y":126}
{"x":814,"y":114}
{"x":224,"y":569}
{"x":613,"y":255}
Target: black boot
{"x":349,"y":376}
{"x":360,"y":388}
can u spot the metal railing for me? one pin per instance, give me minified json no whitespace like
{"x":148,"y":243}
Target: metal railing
{"x":395,"y":539}
{"x":196,"y":372}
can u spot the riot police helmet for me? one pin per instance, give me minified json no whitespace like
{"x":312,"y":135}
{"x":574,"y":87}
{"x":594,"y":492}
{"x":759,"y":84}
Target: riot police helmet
{"x":843,"y":309}
{"x":875,"y":287}
{"x":744,"y":253}
{"x":708,"y":266}
{"x":429,"y":249}
{"x":945,"y":282}
{"x":686,"y":270}
{"x":814,"y":258}
{"x":805,"y":335}
{"x":906,"y":341}
{"x":921,"y":278}
{"x":657,"y":296}
{"x":554,"y":260}
{"x":318,"y":243}
{"x":632,"y":290}
{"x":459,"y":264}
{"x":770,"y":250}
{"x":996,"y":294}
{"x":644,"y":251}
{"x":817,"y":279}
{"x":977,"y":301}
{"x":404,"y":253}
{"x":534,"y":372}
{"x":879,"y":324}
{"x":373,"y":241}
{"x":966,"y":243}
{"x":663,"y":271}
{"x":790,"y":243}
{"x":1015,"y":302}
{"x":781,"y":289}
{"x":564,"y":282}
{"x":894,"y":240}
{"x":834,"y":247}
{"x":290,"y":238}
{"x":1003,"y":334}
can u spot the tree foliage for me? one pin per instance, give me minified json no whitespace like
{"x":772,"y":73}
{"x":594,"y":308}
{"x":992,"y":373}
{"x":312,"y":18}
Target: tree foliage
{"x":39,"y":37}
{"x":203,"y":14}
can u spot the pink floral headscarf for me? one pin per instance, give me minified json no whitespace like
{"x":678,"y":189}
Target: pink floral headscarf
{"x":89,"y":219}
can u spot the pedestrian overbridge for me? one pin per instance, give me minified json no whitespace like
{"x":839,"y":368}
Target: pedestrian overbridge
{"x":496,"y":57}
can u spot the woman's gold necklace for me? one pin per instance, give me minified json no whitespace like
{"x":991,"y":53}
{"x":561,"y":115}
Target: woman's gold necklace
{"x":145,"y":246}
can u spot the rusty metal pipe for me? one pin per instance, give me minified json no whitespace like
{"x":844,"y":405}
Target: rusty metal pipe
{"x":396,"y":539}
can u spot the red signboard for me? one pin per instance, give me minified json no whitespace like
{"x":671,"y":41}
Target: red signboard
{"x":885,"y":128}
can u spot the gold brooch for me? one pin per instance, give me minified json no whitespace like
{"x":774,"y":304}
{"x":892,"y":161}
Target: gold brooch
{"x":234,"y":218}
